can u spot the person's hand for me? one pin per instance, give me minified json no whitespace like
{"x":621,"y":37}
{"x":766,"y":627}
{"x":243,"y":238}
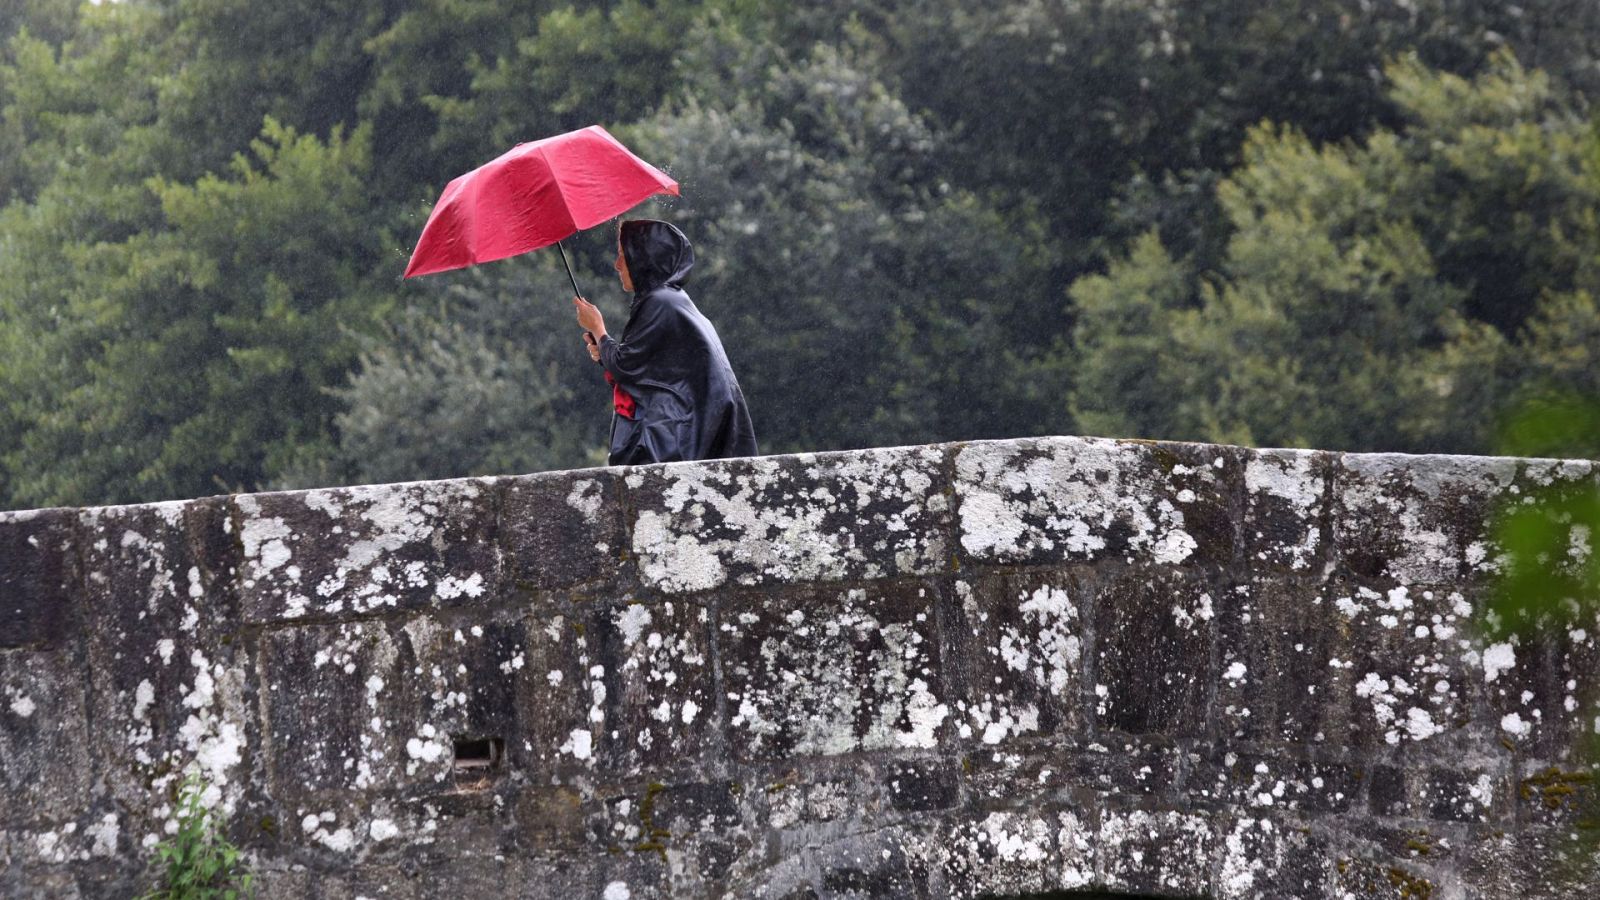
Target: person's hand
{"x":592,"y":346}
{"x":589,"y":318}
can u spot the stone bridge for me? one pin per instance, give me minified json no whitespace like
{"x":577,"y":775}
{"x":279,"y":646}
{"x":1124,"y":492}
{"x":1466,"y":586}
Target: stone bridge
{"x":1000,"y":668}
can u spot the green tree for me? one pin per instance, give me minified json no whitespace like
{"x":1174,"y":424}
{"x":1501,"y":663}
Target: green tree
{"x":864,"y":300}
{"x":485,"y":374}
{"x":1372,"y":295}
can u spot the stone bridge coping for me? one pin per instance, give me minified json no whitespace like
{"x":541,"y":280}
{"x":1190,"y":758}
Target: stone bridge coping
{"x":1020,"y":665}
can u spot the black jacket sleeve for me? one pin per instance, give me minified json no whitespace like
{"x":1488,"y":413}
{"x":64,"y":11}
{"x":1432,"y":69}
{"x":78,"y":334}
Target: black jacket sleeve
{"x":629,"y":359}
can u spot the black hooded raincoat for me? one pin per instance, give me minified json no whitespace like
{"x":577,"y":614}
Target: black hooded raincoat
{"x":686,"y":401}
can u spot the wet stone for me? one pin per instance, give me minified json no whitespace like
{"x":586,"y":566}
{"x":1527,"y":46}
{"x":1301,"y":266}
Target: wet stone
{"x":622,"y":687}
{"x":375,"y":706}
{"x":1540,"y":687}
{"x":551,"y":819}
{"x":1153,"y":653}
{"x":1286,"y":512}
{"x":36,"y":577}
{"x":1026,"y":649}
{"x":822,"y":790}
{"x":922,"y":786}
{"x":821,"y":672}
{"x":45,"y":773}
{"x":788,"y":519}
{"x":1416,"y":518}
{"x":1559,"y":795}
{"x":173,"y":680}
{"x":1155,"y":851}
{"x":875,"y":864}
{"x":1069,"y":499}
{"x":1112,"y":765}
{"x":1282,"y":676}
{"x":563,"y":529}
{"x":1410,"y":666}
{"x":1534,"y":863}
{"x":348,"y":551}
{"x":1266,"y":784}
{"x":1018,"y":853}
{"x":662,"y":708}
{"x":1269,"y":858}
{"x":1465,"y":796}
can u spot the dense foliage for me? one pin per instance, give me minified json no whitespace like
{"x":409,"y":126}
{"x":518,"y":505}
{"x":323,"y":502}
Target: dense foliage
{"x":1356,"y":226}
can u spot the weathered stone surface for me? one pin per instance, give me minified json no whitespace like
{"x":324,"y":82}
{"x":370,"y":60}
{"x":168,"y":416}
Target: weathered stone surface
{"x":1416,"y":519}
{"x":1269,"y":858}
{"x":36,"y":577}
{"x":1165,"y":852}
{"x":1410,"y":664}
{"x":829,"y":671}
{"x":807,"y":518}
{"x":1264,"y":785}
{"x":1284,"y":652}
{"x":990,"y":669}
{"x":173,"y":682}
{"x":1024,"y":637}
{"x":377,"y":707}
{"x":1019,"y":853}
{"x":619,"y":687}
{"x":1065,"y":499}
{"x":1153,"y":654}
{"x":564,"y":529}
{"x":349,"y":551}
{"x":45,"y":771}
{"x":1286,"y":521}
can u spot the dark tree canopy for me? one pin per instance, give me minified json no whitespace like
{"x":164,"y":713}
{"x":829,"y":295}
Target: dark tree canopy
{"x":1264,"y":221}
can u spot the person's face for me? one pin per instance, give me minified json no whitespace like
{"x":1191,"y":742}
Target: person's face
{"x":622,"y":267}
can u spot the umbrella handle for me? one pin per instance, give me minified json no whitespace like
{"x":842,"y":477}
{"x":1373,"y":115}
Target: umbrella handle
{"x":574,"y":281}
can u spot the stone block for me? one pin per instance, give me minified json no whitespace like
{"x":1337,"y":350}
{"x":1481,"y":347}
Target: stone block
{"x":1470,"y":795}
{"x":922,"y":785}
{"x":1028,"y":772}
{"x":564,"y":529}
{"x":1410,"y":667}
{"x":174,"y":688}
{"x":1282,"y":653}
{"x":662,"y":708}
{"x":869,"y":865}
{"x":1024,"y":638}
{"x":1287,"y":504}
{"x":378,"y":706}
{"x":37,"y":577}
{"x":1153,"y":637}
{"x":1540,"y":690}
{"x":1416,"y":519}
{"x":818,"y":671}
{"x":808,"y":518}
{"x":346,"y":551}
{"x":46,"y":775}
{"x":1557,"y":795}
{"x":1018,"y":853}
{"x":1268,"y":858}
{"x":843,"y":791}
{"x":1533,"y":863}
{"x":1157,"y":851}
{"x":1258,"y":784}
{"x":1052,"y":500}
{"x":623,"y":686}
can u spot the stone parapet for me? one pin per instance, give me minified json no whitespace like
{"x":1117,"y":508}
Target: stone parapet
{"x":989,"y":668}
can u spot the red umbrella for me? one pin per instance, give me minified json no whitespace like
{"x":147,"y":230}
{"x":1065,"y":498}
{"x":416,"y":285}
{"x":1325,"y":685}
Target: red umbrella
{"x":533,"y":196}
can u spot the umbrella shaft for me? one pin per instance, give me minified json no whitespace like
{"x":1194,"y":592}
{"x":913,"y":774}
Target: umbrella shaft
{"x":568,"y":267}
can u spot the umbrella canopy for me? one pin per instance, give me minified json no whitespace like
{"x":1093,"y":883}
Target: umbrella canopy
{"x":533,"y":196}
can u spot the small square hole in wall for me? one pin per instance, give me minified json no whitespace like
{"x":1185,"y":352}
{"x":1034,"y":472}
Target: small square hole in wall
{"x":478,"y":757}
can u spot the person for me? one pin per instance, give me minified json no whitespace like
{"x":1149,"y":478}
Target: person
{"x":674,"y":395}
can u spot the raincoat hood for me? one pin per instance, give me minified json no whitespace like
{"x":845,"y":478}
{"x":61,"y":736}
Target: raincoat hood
{"x":656,"y":254}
